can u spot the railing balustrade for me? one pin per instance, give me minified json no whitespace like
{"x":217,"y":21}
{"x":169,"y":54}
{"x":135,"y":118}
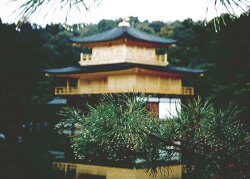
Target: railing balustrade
{"x":99,"y":89}
{"x":162,"y":58}
{"x":86,"y":59}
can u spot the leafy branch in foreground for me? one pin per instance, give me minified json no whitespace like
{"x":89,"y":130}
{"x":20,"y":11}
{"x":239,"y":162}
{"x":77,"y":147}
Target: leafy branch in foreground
{"x":120,"y":131}
{"x":110,"y":133}
{"x":227,"y":8}
{"x":212,"y":141}
{"x":29,"y":7}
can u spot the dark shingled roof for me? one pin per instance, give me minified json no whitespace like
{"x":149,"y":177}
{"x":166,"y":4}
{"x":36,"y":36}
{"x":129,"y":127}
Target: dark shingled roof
{"x":120,"y":32}
{"x":121,"y":66}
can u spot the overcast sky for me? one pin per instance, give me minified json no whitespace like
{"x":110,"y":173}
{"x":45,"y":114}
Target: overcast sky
{"x":152,"y":10}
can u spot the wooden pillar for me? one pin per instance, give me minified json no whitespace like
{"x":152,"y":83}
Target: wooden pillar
{"x":166,"y":57}
{"x":78,"y":85}
{"x":67,"y":87}
{"x":81,"y":56}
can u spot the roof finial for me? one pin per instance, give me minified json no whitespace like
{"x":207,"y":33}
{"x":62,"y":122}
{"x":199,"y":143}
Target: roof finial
{"x":124,"y":22}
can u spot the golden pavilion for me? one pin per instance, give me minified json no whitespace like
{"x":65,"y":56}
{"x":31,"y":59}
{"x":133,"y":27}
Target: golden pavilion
{"x":124,"y":60}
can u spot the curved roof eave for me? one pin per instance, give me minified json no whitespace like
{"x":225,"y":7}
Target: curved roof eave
{"x":120,"y":32}
{"x":121,"y":66}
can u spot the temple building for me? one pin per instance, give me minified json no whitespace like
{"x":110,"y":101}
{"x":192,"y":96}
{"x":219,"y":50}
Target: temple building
{"x":125,"y":60}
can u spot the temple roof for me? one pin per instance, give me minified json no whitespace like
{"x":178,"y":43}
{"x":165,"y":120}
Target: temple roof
{"x":120,"y":32}
{"x":121,"y":66}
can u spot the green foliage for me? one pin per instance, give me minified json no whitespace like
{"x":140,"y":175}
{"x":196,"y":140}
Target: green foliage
{"x":156,"y":25}
{"x":104,"y":25}
{"x":192,"y":43}
{"x":228,"y":6}
{"x":25,"y":52}
{"x":120,"y":132}
{"x":110,"y":133}
{"x":213,"y":142}
{"x":144,"y":27}
{"x":29,"y":7}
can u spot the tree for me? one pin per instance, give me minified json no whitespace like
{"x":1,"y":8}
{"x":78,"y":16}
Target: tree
{"x":230,"y":7}
{"x":29,"y":7}
{"x":104,"y":25}
{"x":210,"y":141}
{"x":156,"y":25}
{"x":143,"y":26}
{"x":192,"y":40}
{"x":25,"y":91}
{"x":227,"y":64}
{"x":108,"y":135}
{"x":24,"y":54}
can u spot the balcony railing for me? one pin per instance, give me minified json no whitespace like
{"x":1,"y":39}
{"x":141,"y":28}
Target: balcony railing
{"x":87,"y":59}
{"x":117,"y":89}
{"x":77,"y":170}
{"x":162,"y":58}
{"x":187,"y":91}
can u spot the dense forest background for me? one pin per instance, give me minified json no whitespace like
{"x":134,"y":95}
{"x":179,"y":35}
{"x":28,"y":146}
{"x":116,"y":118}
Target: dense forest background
{"x":26,"y":51}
